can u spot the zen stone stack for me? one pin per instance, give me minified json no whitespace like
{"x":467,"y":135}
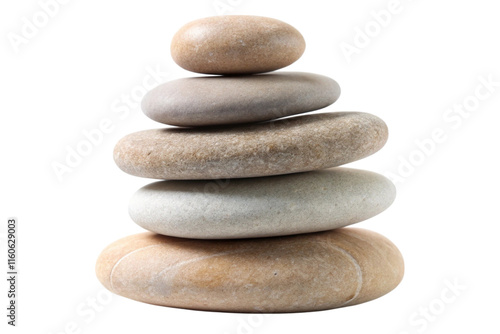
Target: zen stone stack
{"x":251,"y":213}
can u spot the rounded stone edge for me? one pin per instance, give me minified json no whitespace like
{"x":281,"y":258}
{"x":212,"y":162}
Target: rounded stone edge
{"x":107,"y":259}
{"x":391,"y":274}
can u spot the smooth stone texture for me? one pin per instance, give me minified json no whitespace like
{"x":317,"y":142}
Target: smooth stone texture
{"x":284,"y":146}
{"x":305,"y":272}
{"x":240,"y":99}
{"x":261,"y":207}
{"x":236,"y":44}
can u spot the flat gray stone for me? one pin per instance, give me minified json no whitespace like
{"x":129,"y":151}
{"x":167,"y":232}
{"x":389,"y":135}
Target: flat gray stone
{"x":261,"y":207}
{"x":289,"y":145}
{"x":240,"y":99}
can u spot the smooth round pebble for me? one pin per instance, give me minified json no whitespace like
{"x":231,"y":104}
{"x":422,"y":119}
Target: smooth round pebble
{"x":261,"y":207}
{"x":289,"y":145}
{"x":238,"y":99}
{"x":305,"y":272}
{"x":236,"y":44}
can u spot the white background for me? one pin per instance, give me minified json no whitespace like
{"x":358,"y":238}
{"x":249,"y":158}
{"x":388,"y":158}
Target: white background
{"x":66,"y":78}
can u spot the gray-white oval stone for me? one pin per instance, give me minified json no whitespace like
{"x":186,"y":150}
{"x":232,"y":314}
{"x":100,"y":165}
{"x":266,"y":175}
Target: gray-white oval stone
{"x":261,"y":207}
{"x":212,"y":100}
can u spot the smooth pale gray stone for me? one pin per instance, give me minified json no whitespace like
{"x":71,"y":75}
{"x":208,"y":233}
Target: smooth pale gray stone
{"x":205,"y":101}
{"x":261,"y":207}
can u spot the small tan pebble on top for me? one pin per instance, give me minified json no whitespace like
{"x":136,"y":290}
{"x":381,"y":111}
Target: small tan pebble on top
{"x":236,"y":44}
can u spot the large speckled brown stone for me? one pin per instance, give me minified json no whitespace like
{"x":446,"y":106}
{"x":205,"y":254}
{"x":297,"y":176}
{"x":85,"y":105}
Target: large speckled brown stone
{"x":284,"y":146}
{"x":236,"y":44}
{"x":219,"y":100}
{"x":304,"y":272}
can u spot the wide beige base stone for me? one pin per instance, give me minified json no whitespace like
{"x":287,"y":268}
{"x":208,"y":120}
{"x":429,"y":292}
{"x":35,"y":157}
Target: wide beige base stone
{"x":306,"y":272}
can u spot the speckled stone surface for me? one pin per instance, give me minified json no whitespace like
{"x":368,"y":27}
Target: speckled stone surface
{"x":238,"y":99}
{"x":297,"y":273}
{"x":289,"y":145}
{"x":261,"y":207}
{"x":236,"y":44}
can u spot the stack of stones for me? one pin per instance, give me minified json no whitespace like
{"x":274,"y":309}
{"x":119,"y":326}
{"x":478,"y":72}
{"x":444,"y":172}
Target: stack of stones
{"x":251,"y":217}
